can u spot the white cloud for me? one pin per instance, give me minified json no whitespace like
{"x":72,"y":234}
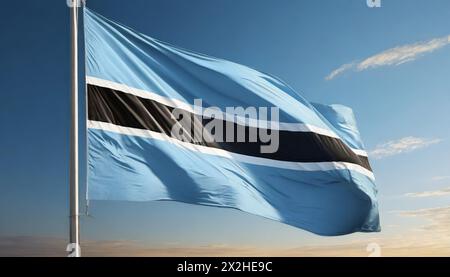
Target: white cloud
{"x":394,"y":56}
{"x":441,"y":192}
{"x":403,"y":145}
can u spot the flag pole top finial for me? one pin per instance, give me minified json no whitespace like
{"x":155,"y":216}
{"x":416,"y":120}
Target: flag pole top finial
{"x":77,"y":3}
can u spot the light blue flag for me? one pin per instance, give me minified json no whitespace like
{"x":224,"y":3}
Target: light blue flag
{"x":161,"y":127}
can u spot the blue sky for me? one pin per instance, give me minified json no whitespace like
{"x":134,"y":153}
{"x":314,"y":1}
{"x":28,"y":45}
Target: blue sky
{"x":397,"y":85}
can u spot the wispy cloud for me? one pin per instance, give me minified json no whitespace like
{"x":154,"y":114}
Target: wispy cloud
{"x":439,"y":219}
{"x":403,"y":145}
{"x":340,"y":70}
{"x":394,"y":56}
{"x":432,"y":193}
{"x":440,"y":178}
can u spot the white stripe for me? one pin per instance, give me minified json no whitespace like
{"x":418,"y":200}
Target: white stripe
{"x":174,"y":103}
{"x":318,"y":166}
{"x":359,"y":152}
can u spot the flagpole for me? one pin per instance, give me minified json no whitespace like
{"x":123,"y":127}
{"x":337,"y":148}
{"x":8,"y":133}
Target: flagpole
{"x":74,"y":243}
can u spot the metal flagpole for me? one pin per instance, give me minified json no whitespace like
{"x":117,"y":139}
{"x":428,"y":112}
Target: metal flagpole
{"x":74,"y":245}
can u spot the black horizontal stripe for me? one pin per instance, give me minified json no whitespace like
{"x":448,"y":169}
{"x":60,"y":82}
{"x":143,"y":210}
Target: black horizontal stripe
{"x":123,"y":109}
